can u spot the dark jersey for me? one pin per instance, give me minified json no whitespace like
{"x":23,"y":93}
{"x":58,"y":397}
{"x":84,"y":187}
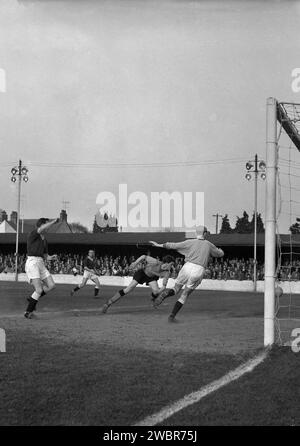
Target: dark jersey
{"x":152,"y":267}
{"x":36,"y":246}
{"x":89,"y":263}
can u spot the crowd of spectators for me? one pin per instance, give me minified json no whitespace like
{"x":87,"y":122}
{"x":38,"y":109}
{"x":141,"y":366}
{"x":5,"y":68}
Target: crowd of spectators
{"x":107,"y":265}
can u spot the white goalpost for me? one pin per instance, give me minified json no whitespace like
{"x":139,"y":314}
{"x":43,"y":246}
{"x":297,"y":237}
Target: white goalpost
{"x":270,"y":223}
{"x":288,"y":116}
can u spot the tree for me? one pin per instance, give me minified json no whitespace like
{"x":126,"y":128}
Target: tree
{"x":78,"y":228}
{"x":96,"y":228}
{"x":259,"y":223}
{"x":243,"y":226}
{"x":295,"y":228}
{"x":225,"y":227}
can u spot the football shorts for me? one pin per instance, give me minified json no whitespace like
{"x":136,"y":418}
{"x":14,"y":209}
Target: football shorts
{"x":35,"y":268}
{"x":89,"y":275}
{"x":190,"y":275}
{"x":141,"y":277}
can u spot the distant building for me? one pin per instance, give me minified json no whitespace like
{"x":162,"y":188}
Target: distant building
{"x":62,"y":227}
{"x":6,"y":228}
{"x":105,"y":223}
{"x":3,"y":215}
{"x":26,"y":225}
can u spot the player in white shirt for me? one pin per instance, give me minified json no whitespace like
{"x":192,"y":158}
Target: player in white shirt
{"x":197,"y":253}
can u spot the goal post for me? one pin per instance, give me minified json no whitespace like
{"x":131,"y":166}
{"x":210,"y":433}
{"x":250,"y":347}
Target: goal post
{"x":270,"y":222}
{"x":288,"y":116}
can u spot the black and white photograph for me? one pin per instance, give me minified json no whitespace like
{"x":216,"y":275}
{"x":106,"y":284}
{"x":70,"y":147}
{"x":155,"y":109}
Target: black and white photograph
{"x":149,"y":216}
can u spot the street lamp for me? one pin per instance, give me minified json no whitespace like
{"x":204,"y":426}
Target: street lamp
{"x":18,"y":172}
{"x":257,"y":167}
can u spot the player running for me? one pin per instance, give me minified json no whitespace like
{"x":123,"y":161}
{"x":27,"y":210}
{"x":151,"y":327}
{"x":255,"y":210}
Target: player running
{"x":151,"y":270}
{"x":90,"y":273}
{"x":37,"y":273}
{"x":197,"y":253}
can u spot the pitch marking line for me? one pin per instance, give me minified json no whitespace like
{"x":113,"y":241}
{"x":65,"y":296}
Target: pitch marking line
{"x":195,"y":397}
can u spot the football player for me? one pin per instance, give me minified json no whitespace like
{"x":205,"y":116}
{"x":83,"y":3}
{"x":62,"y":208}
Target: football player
{"x":150,"y":271}
{"x":90,"y":273}
{"x":37,"y":273}
{"x":197,"y":253}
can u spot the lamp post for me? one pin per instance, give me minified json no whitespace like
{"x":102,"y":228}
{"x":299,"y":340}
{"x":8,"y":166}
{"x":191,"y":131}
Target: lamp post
{"x":18,"y":173}
{"x":257,"y":167}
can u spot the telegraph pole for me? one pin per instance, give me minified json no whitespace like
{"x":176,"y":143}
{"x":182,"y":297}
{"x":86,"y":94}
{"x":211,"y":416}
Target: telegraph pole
{"x":217,"y":215}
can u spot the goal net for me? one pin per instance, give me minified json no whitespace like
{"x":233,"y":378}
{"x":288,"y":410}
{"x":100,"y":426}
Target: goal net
{"x":282,"y":238}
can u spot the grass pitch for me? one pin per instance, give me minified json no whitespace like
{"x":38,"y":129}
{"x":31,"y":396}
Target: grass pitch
{"x":72,"y":365}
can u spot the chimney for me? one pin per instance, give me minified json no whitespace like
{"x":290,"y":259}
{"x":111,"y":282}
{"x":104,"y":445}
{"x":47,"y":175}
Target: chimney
{"x":14,"y":217}
{"x":3,"y":216}
{"x":63,"y":216}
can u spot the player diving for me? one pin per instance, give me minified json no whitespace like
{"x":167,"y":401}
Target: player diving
{"x":197,"y":253}
{"x":149,"y":272}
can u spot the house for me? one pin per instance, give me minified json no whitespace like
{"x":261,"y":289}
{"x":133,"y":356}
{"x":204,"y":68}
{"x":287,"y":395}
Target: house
{"x":26,"y":225}
{"x":6,"y":228}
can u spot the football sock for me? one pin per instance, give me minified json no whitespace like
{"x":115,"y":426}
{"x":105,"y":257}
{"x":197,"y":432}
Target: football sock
{"x":96,"y":291}
{"x":76,"y":288}
{"x":178,"y":305}
{"x":35,"y":295}
{"x":31,"y":305}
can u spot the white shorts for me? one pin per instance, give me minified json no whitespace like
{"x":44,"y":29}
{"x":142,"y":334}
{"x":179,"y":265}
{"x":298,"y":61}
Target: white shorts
{"x":35,"y":269}
{"x":190,"y":275}
{"x":91,"y":276}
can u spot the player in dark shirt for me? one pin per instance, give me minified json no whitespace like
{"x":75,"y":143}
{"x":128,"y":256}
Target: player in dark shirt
{"x":37,"y":273}
{"x":90,"y":273}
{"x":150,"y":272}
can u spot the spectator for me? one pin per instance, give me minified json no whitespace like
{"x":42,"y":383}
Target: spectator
{"x":219,"y":269}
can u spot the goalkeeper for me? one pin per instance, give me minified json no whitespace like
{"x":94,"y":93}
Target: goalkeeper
{"x":197,"y":253}
{"x":149,"y":272}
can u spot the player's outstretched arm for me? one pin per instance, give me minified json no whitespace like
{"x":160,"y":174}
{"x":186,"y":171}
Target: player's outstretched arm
{"x":178,"y":246}
{"x":47,"y":225}
{"x":157,"y":245}
{"x":216,"y":252}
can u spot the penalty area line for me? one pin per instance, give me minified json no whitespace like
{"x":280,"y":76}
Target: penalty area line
{"x":195,"y":397}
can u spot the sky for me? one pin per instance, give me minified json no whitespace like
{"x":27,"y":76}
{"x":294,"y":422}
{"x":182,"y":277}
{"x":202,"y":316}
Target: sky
{"x":159,"y":95}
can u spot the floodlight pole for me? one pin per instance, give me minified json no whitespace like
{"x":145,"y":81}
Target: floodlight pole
{"x":18,"y":218}
{"x":20,"y":172}
{"x":255,"y":223}
{"x":270,"y":230}
{"x":256,"y":169}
